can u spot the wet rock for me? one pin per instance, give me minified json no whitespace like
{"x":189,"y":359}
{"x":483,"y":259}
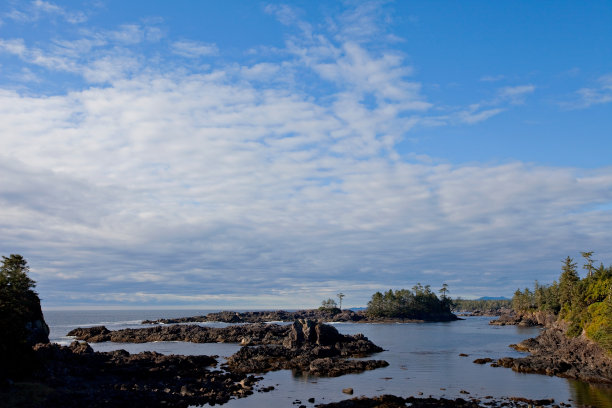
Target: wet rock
{"x":347,"y":391}
{"x":482,"y":360}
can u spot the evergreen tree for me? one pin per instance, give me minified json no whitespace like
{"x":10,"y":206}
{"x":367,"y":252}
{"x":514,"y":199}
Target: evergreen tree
{"x":18,"y":304}
{"x":567,"y":283}
{"x":588,"y":266}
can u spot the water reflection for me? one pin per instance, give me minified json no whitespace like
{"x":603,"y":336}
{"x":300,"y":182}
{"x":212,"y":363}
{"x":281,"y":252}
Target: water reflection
{"x":596,"y":395}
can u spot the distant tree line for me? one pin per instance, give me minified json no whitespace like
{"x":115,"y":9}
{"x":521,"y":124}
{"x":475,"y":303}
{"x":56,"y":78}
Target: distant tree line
{"x":420,"y":302}
{"x":585,"y":303}
{"x":468,"y":305}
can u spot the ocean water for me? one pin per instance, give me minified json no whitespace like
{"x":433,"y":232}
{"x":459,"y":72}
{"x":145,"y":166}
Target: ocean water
{"x":424,"y":358}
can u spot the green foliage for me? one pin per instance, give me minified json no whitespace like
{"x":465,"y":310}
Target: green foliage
{"x":418,"y":303}
{"x":585,"y":303}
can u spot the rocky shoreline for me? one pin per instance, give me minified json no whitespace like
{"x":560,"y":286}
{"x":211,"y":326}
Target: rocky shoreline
{"x":554,"y":353}
{"x":79,"y":377}
{"x":393,"y":401}
{"x":76,"y":376}
{"x":324,"y":315}
{"x":306,"y":345}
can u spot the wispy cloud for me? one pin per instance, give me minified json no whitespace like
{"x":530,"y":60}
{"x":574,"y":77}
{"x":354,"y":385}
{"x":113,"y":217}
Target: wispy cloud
{"x":38,"y":9}
{"x":193,"y":49}
{"x":596,"y":95}
{"x":493,"y":78}
{"x":516,"y":94}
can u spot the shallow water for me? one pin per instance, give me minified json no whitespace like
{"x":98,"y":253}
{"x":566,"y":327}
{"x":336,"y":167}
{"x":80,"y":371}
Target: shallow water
{"x":423,"y":357}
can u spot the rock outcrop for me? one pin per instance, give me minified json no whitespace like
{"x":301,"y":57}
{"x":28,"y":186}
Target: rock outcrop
{"x":81,"y":378}
{"x":392,"y":401}
{"x":306,"y":345}
{"x":268,"y":316}
{"x":311,"y":347}
{"x":554,"y":353}
{"x":527,"y":319}
{"x":259,"y":333}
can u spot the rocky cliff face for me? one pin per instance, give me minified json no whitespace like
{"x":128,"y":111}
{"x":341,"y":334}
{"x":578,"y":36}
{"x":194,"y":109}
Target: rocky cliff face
{"x":37,"y":330}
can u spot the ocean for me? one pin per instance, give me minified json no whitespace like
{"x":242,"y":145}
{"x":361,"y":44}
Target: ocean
{"x":424,"y":358}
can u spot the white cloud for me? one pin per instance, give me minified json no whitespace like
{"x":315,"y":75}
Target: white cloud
{"x":516,"y":94}
{"x":236,"y":183}
{"x":193,"y":49}
{"x":38,"y":9}
{"x":211,"y":183}
{"x":587,"y":97}
{"x":475,"y":115}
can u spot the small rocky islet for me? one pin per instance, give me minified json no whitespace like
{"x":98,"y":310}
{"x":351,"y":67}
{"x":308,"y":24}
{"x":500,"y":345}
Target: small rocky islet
{"x":305,"y":346}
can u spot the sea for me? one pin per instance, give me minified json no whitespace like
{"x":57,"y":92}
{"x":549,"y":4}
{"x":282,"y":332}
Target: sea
{"x":424,"y":361}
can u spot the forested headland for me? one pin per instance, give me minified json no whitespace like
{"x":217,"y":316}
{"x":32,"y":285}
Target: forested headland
{"x":585,"y":303}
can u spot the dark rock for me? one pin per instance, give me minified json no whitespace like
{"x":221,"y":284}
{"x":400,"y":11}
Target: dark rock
{"x":311,"y":347}
{"x":554,"y":353}
{"x":482,"y":360}
{"x":81,"y":378}
{"x":392,"y":401}
{"x":306,"y":345}
{"x":347,"y":391}
{"x":322,"y":315}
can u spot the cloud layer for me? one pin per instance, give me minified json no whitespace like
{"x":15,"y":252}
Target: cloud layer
{"x":245,"y":185}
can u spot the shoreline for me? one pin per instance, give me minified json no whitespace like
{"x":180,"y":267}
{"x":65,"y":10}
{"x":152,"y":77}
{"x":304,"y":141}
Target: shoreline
{"x":325,"y":316}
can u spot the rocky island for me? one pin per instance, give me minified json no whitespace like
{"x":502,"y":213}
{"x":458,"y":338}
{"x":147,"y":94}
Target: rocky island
{"x":305,"y":346}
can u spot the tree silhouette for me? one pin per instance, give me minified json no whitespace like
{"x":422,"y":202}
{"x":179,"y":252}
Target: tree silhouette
{"x":340,"y":296}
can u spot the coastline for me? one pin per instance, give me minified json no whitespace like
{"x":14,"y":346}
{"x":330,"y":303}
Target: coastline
{"x":325,"y":316}
{"x":438,"y":396}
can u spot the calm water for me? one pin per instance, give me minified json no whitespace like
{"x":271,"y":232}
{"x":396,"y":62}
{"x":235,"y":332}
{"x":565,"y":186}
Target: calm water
{"x":423,"y":358}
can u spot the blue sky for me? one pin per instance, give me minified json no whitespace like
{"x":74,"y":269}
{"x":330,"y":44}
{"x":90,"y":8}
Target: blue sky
{"x":261,"y":154}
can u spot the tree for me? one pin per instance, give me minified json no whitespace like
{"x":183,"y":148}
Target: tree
{"x":19,"y":305}
{"x":589,"y":262}
{"x":13,"y":273}
{"x":328,"y":304}
{"x":340,"y":296}
{"x":444,"y":290}
{"x":567,"y":283}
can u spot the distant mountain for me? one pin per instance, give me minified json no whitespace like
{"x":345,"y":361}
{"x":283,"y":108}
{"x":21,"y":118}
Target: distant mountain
{"x":493,"y":298}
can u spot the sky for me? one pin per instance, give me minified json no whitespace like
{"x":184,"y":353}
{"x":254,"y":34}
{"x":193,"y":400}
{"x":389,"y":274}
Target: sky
{"x":252,"y":154}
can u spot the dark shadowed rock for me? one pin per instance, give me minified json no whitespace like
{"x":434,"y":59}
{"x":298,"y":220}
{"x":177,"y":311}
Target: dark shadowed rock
{"x":267,"y":347}
{"x":82,"y":378}
{"x":309,"y":347}
{"x":392,"y":401}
